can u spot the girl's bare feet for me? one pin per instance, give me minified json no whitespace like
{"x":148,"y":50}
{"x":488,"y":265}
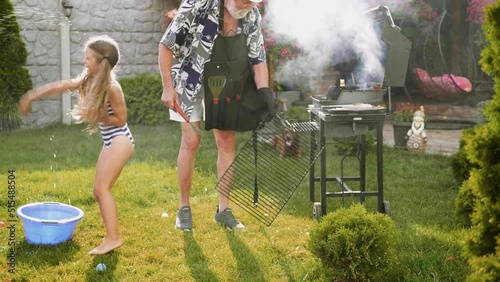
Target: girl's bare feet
{"x":105,"y":247}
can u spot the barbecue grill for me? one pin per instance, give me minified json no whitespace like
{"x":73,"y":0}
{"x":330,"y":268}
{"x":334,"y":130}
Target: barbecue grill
{"x":352,"y":109}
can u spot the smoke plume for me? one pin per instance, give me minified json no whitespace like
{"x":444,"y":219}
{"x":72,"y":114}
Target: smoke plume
{"x":328,"y":32}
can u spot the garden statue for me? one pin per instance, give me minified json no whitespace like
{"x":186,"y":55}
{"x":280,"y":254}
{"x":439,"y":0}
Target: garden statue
{"x":416,"y":136}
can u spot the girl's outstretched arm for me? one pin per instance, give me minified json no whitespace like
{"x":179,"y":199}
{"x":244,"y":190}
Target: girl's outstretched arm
{"x":44,"y":91}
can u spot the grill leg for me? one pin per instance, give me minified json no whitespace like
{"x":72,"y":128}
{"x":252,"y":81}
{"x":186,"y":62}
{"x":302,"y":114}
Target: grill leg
{"x":362,"y":168}
{"x":323,"y":168}
{"x":312,"y":153}
{"x":380,"y":167}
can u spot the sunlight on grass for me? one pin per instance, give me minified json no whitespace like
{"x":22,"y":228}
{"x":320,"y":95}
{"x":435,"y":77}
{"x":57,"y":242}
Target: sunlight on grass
{"x":420,"y":188}
{"x":152,"y":248}
{"x":434,"y":233}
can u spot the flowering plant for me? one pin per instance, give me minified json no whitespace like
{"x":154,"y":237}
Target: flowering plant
{"x":403,"y":112}
{"x":475,"y":10}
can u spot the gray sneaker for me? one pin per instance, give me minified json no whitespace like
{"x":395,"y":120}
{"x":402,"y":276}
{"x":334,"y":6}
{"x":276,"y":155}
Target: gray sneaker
{"x":184,"y":219}
{"x":227,"y":218}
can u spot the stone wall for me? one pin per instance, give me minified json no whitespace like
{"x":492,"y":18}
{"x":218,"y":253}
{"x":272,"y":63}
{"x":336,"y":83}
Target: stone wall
{"x":137,"y":26}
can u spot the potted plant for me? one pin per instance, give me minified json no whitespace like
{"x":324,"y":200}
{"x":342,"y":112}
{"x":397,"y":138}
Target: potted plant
{"x":402,"y":118}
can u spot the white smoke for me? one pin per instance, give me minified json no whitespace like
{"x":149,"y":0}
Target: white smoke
{"x":328,"y":32}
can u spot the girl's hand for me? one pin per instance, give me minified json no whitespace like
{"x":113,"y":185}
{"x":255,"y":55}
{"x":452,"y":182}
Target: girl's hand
{"x":25,"y":103}
{"x":76,"y":113}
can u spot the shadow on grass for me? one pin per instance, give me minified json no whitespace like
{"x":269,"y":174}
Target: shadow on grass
{"x":110,"y":260}
{"x":247,"y":265}
{"x":196,"y":261}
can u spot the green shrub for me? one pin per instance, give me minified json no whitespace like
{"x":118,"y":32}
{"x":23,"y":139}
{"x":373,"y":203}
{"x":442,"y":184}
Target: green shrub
{"x":296,"y":113}
{"x":460,"y":165}
{"x":352,"y":145}
{"x":143,"y":97}
{"x":356,"y":245}
{"x":464,"y":203}
{"x":15,"y":80}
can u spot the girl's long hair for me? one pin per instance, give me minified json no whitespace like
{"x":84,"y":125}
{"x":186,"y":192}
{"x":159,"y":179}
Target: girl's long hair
{"x":94,"y":90}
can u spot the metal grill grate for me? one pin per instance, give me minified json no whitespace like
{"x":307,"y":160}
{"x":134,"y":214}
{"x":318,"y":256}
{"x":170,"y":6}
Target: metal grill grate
{"x":270,"y":166}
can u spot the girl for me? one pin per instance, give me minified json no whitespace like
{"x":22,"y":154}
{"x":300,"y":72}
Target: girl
{"x":101,"y":104}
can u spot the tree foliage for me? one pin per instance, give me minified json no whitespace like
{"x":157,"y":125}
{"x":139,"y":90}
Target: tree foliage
{"x":483,"y":150}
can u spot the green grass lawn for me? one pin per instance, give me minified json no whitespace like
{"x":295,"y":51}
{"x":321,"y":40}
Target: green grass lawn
{"x":56,"y":164}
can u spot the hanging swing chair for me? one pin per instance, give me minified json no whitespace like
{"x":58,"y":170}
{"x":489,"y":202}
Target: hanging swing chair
{"x":431,"y":66}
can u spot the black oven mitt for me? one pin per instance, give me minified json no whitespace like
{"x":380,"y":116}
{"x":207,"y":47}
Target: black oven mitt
{"x":272,"y":106}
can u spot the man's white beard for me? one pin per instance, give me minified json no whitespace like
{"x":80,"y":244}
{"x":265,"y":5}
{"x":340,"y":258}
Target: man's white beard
{"x":235,"y":13}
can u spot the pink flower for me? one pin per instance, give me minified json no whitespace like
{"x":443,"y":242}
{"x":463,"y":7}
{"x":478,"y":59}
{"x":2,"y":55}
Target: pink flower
{"x":284,"y":52}
{"x":403,"y":112}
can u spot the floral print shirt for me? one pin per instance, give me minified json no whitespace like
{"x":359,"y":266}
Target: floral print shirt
{"x":191,"y":36}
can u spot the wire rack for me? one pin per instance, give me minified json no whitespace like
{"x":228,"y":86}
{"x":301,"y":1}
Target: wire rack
{"x":270,"y":166}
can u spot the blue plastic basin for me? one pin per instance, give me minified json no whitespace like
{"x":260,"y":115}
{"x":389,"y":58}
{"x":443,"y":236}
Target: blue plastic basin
{"x":49,"y":223}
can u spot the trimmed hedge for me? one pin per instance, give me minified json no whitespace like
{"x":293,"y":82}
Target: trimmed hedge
{"x":143,"y":98}
{"x":356,"y":245}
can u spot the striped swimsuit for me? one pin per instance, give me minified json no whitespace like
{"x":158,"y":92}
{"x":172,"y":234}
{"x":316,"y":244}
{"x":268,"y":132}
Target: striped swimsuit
{"x":109,"y":132}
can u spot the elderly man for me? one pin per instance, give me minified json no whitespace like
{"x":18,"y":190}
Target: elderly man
{"x":201,"y":31}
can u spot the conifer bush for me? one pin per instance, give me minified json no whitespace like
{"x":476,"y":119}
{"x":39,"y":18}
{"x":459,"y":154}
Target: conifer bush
{"x":483,"y":149}
{"x":464,"y":204}
{"x":460,"y":165}
{"x":356,"y":245}
{"x":15,"y":80}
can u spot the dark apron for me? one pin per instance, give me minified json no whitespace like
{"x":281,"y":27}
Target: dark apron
{"x":231,"y":98}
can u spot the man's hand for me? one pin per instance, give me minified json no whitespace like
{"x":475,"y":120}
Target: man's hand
{"x":272,"y":106}
{"x":169,"y":98}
